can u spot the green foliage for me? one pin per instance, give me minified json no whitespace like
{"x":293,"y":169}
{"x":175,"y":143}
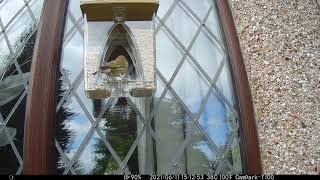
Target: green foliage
{"x":121,"y":132}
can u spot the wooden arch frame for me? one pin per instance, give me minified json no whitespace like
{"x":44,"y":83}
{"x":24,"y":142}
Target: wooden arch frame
{"x":41,"y":104}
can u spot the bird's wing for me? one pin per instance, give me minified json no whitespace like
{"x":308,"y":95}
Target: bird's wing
{"x":113,"y":66}
{"x":109,"y":65}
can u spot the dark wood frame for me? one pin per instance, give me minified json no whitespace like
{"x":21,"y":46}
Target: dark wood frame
{"x":248,"y":127}
{"x":41,"y":103}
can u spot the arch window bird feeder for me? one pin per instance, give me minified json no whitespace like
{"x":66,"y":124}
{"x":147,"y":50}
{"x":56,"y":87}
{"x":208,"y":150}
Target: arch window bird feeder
{"x":119,"y":54}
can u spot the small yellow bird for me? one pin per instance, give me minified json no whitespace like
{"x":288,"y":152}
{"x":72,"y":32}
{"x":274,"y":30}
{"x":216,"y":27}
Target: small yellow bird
{"x":115,"y":68}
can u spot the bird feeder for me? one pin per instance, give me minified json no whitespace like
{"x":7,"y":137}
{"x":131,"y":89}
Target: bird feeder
{"x":119,"y":48}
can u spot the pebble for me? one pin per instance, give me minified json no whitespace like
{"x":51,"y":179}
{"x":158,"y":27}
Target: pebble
{"x":280,"y":41}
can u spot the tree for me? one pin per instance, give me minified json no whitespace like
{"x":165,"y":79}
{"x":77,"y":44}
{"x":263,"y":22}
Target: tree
{"x":120,"y":131}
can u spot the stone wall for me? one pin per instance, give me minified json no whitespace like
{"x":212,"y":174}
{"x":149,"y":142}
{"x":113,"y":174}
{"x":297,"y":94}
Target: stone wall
{"x":280,"y":41}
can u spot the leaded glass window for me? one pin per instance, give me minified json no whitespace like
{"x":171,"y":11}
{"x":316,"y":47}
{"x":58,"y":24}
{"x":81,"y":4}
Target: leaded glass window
{"x":18,"y":24}
{"x":190,"y":125}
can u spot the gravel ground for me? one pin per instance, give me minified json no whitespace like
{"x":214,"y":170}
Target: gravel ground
{"x":280,"y":41}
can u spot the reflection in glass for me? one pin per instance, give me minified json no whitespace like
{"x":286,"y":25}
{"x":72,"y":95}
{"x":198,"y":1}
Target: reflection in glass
{"x":63,"y":133}
{"x":8,"y":9}
{"x":76,"y":125}
{"x":212,"y":24}
{"x":36,"y":7}
{"x":168,"y":53}
{"x":164,"y":7}
{"x":215,"y":120}
{"x":187,"y":26}
{"x":200,"y":159}
{"x":21,"y":25}
{"x":120,"y":129}
{"x":72,"y":55}
{"x":199,"y":8}
{"x":207,"y":53}
{"x":75,"y":8}
{"x":12,"y":110}
{"x":224,"y":84}
{"x":4,"y":53}
{"x":98,"y":157}
{"x":191,"y":86}
{"x":169,"y":124}
{"x":118,"y":126}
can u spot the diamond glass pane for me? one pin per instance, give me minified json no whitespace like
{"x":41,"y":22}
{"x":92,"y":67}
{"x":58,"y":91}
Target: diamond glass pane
{"x":195,"y":155}
{"x":72,"y":54}
{"x":4,"y":53}
{"x":68,"y":25}
{"x":121,"y":129}
{"x":74,"y":7}
{"x":20,"y":27}
{"x":191,"y":86}
{"x":187,"y":26}
{"x":187,"y":130}
{"x":225,"y":169}
{"x":164,"y":7}
{"x":224,"y":84}
{"x":232,"y":155}
{"x":169,"y":122}
{"x":199,"y":8}
{"x":208,"y":53}
{"x":89,"y":105}
{"x":36,"y":7}
{"x":159,"y":91}
{"x":168,"y":54}
{"x":74,"y":125}
{"x":96,"y":159}
{"x":71,"y":22}
{"x":213,"y":24}
{"x":217,"y":120}
{"x":9,"y":9}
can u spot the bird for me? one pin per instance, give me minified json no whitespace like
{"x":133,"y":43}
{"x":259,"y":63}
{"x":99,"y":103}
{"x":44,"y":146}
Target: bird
{"x":115,"y":68}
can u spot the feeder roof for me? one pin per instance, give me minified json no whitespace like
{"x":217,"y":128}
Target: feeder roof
{"x":135,"y":10}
